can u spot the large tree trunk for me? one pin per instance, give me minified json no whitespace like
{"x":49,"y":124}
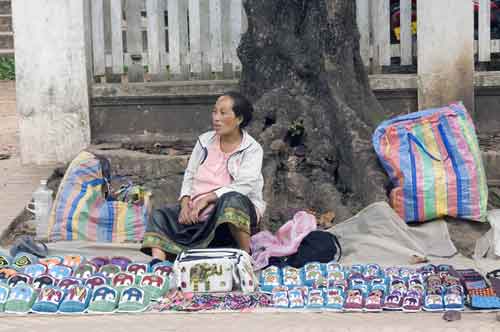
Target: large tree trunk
{"x":301,"y":62}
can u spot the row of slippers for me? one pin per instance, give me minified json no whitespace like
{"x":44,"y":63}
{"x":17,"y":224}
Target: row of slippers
{"x":24,"y":299}
{"x":333,"y":275}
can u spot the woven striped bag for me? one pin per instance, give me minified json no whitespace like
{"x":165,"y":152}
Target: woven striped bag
{"x":81,"y":212}
{"x":433,"y":160}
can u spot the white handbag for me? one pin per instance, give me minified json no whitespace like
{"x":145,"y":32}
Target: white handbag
{"x":214,"y":270}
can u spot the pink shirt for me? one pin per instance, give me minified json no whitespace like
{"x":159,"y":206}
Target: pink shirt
{"x":211,"y":175}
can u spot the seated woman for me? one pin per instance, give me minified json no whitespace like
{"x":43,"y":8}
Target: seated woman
{"x":221,"y":196}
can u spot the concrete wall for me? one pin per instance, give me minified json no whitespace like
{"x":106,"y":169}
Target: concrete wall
{"x":51,"y":78}
{"x":445,"y":52}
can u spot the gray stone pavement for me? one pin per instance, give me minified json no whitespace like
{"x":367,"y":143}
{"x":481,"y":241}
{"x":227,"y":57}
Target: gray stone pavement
{"x":17,"y":182}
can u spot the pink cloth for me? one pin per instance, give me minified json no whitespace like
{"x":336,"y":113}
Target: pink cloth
{"x":286,"y":241}
{"x":211,"y":175}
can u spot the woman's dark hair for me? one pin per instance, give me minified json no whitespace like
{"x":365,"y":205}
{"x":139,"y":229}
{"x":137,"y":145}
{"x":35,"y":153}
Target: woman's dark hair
{"x":241,"y":107}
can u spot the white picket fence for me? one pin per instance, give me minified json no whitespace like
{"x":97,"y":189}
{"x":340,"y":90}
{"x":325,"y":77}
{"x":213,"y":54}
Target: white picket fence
{"x":197,"y":39}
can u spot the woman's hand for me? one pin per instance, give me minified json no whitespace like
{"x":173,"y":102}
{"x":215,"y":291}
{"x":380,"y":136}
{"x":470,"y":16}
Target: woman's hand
{"x":195,"y":212}
{"x":184,"y":215}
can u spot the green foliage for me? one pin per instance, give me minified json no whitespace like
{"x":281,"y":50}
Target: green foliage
{"x":7,"y":68}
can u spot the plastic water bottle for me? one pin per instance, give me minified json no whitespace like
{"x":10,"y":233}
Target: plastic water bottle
{"x":42,"y":201}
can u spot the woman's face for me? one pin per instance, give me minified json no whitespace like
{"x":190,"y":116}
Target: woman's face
{"x":224,"y":121}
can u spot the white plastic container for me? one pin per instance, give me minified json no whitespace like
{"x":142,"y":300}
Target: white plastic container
{"x":42,"y":204}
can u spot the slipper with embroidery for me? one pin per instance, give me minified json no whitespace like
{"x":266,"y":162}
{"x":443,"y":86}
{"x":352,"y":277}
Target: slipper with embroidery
{"x":44,"y":280}
{"x":334,"y":266}
{"x":134,"y":299}
{"x":19,"y":278}
{"x":372,"y":271}
{"x":51,"y":261}
{"x":22,"y":260}
{"x":73,"y":261}
{"x":434,"y":281}
{"x":7,"y":272}
{"x":280,"y":299}
{"x":100,"y":261}
{"x":121,"y":261}
{"x":96,"y":281}
{"x":354,"y":300}
{"x":85,"y":270}
{"x":356,"y":269}
{"x":316,"y":298}
{"x":35,"y":270}
{"x":340,"y":284}
{"x":155,"y":285}
{"x":123,"y":280}
{"x":391,"y":272}
{"x":405,"y":273}
{"x":5,"y":260}
{"x":292,"y":277}
{"x":397,"y":284}
{"x":270,"y":277}
{"x":138,"y":270}
{"x":4,"y":295}
{"x":394,"y":301}
{"x":60,"y":271}
{"x":312,"y":273}
{"x":48,"y":300}
{"x":296,"y":299}
{"x":110,"y":270}
{"x":433,"y":300}
{"x":69,"y":282}
{"x":358,"y":283}
{"x":104,"y":300}
{"x":453,"y":299}
{"x":20,"y":299}
{"x":163,"y":269}
{"x":77,"y":300}
{"x":374,"y":302}
{"x":334,"y":299}
{"x":412,"y":301}
{"x":378,"y":283}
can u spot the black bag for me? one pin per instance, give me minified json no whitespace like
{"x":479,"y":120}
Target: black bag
{"x":317,"y":246}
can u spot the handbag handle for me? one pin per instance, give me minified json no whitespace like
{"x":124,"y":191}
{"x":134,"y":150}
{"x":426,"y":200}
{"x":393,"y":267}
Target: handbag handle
{"x":413,"y":138}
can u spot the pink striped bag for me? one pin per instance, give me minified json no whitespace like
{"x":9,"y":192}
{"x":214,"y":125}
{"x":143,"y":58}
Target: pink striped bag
{"x":434,"y":163}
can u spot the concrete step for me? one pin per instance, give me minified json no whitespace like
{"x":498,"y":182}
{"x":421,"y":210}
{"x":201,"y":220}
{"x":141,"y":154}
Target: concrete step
{"x":5,"y":23}
{"x":6,"y":40}
{"x":7,"y":52}
{"x":5,"y":7}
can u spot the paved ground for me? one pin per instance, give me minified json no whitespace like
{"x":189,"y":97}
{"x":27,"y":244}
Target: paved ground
{"x":17,"y":182}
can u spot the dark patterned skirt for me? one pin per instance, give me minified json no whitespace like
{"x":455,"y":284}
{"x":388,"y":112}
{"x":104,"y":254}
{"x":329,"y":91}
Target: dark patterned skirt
{"x":166,"y":233}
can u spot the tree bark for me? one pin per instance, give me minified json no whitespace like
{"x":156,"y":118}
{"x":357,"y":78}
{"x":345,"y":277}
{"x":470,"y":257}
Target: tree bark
{"x":314,"y":109}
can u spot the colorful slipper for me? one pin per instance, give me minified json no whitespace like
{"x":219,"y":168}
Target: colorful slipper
{"x":454,"y":298}
{"x":378,"y":283}
{"x":270,"y":277}
{"x":96,"y":281}
{"x":7,"y":272}
{"x":434,"y":281}
{"x":315,"y":298}
{"x":138,"y":270}
{"x":121,"y":261}
{"x":354,"y":300}
{"x":280,"y":299}
{"x":23,"y":259}
{"x":334,"y":299}
{"x":73,"y":261}
{"x":123,"y":280}
{"x":100,"y":261}
{"x":35,"y":270}
{"x":163,"y":269}
{"x":391,"y":272}
{"x":85,"y":270}
{"x":51,"y":261}
{"x":5,"y":260}
{"x":356,"y":269}
{"x":312,"y":273}
{"x":60,"y":271}
{"x":394,"y":301}
{"x":104,"y":300}
{"x":334,"y":266}
{"x":69,"y":282}
{"x":48,"y":300}
{"x":412,"y":301}
{"x":134,"y":299}
{"x":110,"y":270}
{"x":4,"y":295}
{"x":45,"y":280}
{"x":397,"y":284}
{"x":335,"y":275}
{"x":374,"y":302}
{"x":358,"y":283}
{"x":18,"y":279}
{"x":405,"y":273}
{"x":292,"y":276}
{"x":77,"y":300}
{"x":372,"y":271}
{"x":20,"y":299}
{"x":296,"y":299}
{"x":155,"y":285}
{"x":433,"y":300}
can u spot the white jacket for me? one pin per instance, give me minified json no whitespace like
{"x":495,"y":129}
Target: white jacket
{"x":247,"y":178}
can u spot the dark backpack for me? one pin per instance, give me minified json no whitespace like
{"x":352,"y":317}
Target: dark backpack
{"x":317,"y":246}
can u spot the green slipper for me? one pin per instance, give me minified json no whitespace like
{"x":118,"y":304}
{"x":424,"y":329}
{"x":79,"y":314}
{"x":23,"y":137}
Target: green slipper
{"x":134,"y":299}
{"x":104,"y":300}
{"x":21,"y":299}
{"x":156,"y":285}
